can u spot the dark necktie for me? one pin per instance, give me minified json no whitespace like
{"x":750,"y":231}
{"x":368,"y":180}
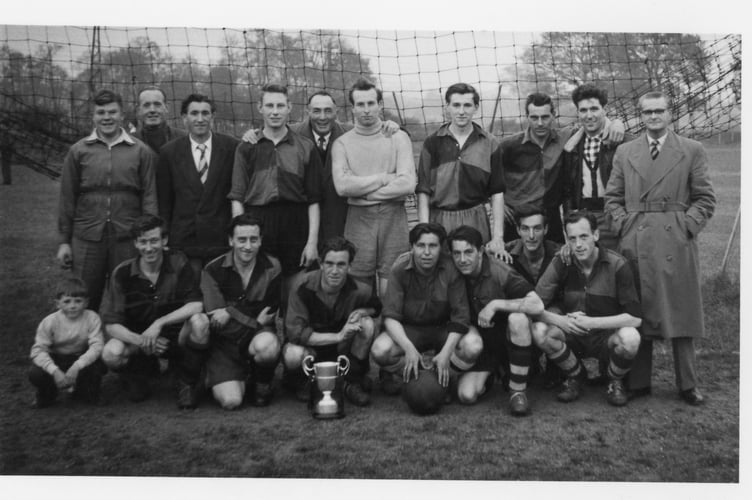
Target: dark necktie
{"x":592,"y":148}
{"x":322,"y":144}
{"x":203,"y":165}
{"x":654,"y":149}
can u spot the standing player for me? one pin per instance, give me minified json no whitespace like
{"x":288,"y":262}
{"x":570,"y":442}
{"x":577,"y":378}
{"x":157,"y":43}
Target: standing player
{"x":660,"y":198}
{"x":322,"y":127}
{"x":588,"y":162}
{"x":241,"y":295}
{"x":592,"y":310}
{"x":375,"y":173}
{"x":107,"y":182}
{"x":152,"y":119}
{"x":194,"y":177}
{"x":425,"y":309}
{"x":152,"y":309}
{"x":328,"y":314}
{"x":500,"y":301}
{"x":278,"y":180}
{"x":532,"y":160}
{"x":460,"y":169}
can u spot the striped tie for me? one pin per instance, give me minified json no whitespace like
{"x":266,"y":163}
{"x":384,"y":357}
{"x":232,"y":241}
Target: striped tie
{"x":654,"y":149}
{"x":203,"y":165}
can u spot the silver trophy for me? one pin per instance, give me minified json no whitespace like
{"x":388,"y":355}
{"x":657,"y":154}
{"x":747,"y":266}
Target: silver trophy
{"x":326,"y":400}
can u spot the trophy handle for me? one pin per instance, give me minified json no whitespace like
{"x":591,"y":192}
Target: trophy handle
{"x":344,"y":364}
{"x":308,"y":365}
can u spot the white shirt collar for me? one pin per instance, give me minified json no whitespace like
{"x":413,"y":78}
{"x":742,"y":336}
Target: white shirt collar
{"x":660,"y":140}
{"x":194,"y":144}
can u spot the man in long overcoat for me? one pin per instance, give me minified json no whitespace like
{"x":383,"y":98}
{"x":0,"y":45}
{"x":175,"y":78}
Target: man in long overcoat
{"x":660,"y":198}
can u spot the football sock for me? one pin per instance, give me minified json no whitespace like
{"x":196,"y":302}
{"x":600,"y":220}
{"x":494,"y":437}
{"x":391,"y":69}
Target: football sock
{"x":567,"y":361}
{"x":519,"y":365}
{"x":618,"y":366}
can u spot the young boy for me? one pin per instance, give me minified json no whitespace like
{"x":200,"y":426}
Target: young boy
{"x":67,"y":346}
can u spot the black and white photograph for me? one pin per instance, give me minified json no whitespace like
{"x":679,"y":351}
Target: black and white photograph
{"x":384,"y":249}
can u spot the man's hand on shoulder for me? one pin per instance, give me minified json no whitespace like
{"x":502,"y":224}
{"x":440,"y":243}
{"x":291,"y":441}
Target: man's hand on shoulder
{"x":251,"y":136}
{"x":614,"y":131}
{"x":389,"y":128}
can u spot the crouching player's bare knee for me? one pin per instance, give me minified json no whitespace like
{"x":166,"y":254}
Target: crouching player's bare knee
{"x":518,"y":326}
{"x":384,"y":350}
{"x":548,"y":338}
{"x":471,"y":386}
{"x":468,"y":350}
{"x":292,"y":356}
{"x":264,"y":349}
{"x":115,"y":354}
{"x":626,"y":342}
{"x":198,"y":333}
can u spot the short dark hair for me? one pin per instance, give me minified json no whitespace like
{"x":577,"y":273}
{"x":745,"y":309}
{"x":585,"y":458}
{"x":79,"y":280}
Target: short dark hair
{"x":71,"y":287}
{"x":462,"y":88}
{"x":589,"y":91}
{"x":273,"y":88}
{"x":195,"y":98}
{"x":338,"y":244}
{"x":427,"y":228}
{"x":465,"y":233}
{"x":576,"y":216}
{"x":527,"y":210}
{"x":152,"y":87}
{"x":539,"y":99}
{"x":244,"y":220}
{"x":147,"y":222}
{"x":105,"y":96}
{"x":364,"y":84}
{"x":321,"y":93}
{"x":655,"y":94}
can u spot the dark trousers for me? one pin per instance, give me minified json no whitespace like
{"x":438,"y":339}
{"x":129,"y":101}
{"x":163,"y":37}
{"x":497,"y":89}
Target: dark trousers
{"x":88,"y":382}
{"x":93,"y":261}
{"x":639,"y":377}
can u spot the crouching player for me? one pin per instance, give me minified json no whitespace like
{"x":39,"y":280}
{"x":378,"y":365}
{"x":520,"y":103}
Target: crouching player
{"x":241,"y":295}
{"x":601,"y":311}
{"x":328,"y":314}
{"x":425,"y":309}
{"x":152,"y":309}
{"x":500,"y":301}
{"x":66,"y":349}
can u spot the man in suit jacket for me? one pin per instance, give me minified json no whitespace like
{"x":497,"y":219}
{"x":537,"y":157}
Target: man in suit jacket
{"x":194,"y":176}
{"x":660,"y":197}
{"x":322,"y":127}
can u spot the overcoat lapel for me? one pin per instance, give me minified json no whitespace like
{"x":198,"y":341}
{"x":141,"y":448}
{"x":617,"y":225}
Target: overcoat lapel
{"x":669,"y":158}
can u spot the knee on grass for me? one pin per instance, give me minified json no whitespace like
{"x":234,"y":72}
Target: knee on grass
{"x":229,"y":395}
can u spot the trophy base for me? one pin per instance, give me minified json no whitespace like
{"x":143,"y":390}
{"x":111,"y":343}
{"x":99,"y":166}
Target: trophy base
{"x":328,"y":416}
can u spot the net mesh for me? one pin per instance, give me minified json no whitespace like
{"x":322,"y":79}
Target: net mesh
{"x":50,"y":73}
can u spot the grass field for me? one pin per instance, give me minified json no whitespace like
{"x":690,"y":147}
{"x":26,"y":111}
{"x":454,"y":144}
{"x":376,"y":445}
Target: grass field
{"x":655,"y":439}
